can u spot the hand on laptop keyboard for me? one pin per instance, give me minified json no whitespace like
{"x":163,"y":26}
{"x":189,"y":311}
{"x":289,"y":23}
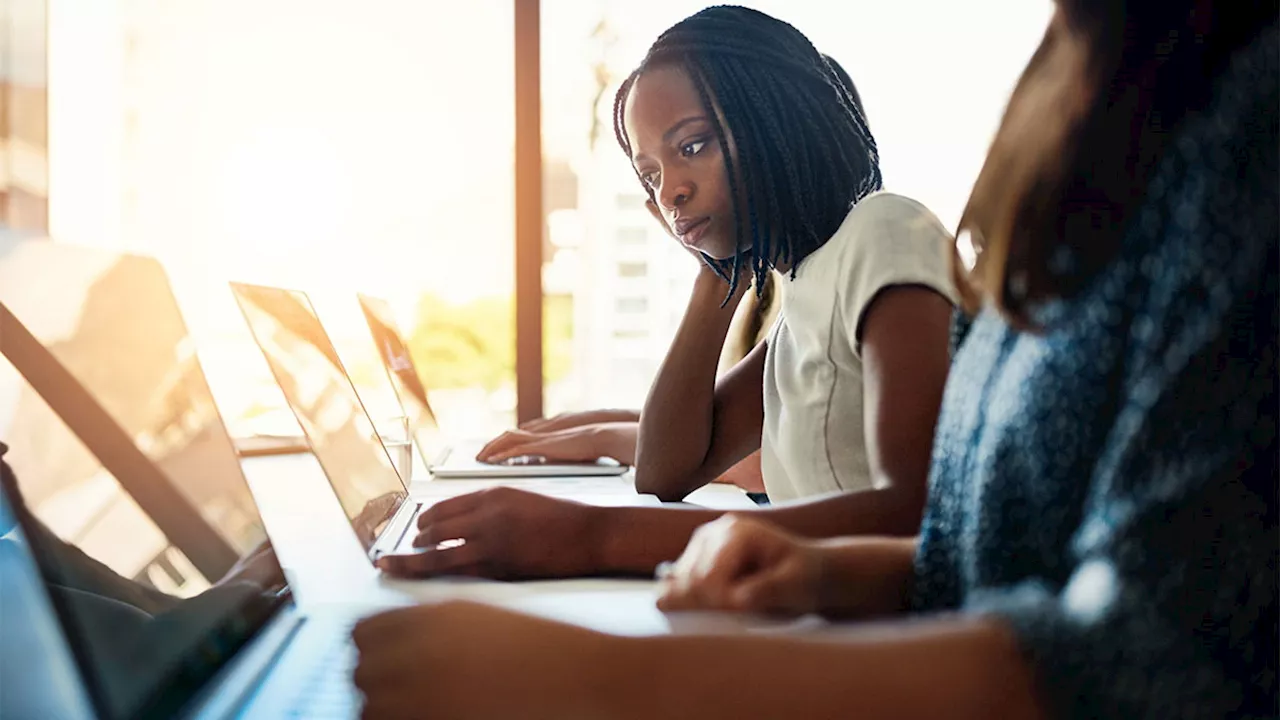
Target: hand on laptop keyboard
{"x":523,"y":460}
{"x":466,"y":660}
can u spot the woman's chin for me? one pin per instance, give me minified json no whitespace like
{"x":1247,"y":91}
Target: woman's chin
{"x":718,"y":252}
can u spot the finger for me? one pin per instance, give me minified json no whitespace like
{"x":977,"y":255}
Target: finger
{"x":719,"y":553}
{"x":680,"y":570}
{"x":744,"y":547}
{"x":394,"y":692}
{"x":777,"y":591}
{"x":450,"y":560}
{"x":503,"y":441}
{"x":392,"y":704}
{"x":720,"y":571}
{"x":536,"y":424}
{"x":670,"y":596}
{"x":459,"y":527}
{"x":373,"y":631}
{"x":675,"y":595}
{"x":449,"y":508}
{"x":388,"y":661}
{"x":675,"y":588}
{"x":563,"y":449}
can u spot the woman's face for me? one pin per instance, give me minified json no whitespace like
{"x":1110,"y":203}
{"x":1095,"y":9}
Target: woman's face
{"x":676,"y":154}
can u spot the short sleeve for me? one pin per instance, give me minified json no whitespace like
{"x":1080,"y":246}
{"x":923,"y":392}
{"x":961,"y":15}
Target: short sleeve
{"x":890,"y":240}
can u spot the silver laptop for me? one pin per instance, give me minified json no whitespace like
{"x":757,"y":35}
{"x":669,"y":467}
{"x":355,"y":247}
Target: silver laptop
{"x":346,"y":443}
{"x":334,"y":421}
{"x":156,"y":576}
{"x":443,"y":457}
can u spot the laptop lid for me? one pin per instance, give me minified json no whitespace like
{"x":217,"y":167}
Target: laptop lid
{"x":405,"y":378}
{"x":50,"y":686}
{"x":125,"y":485}
{"x":306,"y":365}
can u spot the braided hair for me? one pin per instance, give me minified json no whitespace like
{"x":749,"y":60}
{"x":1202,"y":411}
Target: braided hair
{"x":805,"y":153}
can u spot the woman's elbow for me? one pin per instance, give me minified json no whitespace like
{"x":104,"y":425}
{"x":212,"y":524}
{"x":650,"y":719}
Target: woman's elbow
{"x":664,"y":485}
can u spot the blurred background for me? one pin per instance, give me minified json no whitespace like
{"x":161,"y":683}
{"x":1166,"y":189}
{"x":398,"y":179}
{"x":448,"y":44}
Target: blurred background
{"x":339,"y":146}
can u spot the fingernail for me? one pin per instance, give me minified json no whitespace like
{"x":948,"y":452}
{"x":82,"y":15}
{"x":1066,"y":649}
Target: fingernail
{"x":664,"y":570}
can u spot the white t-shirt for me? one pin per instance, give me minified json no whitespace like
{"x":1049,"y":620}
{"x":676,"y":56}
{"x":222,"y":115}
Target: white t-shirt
{"x":813,"y":440}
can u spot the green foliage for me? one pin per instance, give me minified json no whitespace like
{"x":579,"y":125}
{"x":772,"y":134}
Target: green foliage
{"x":473,"y":345}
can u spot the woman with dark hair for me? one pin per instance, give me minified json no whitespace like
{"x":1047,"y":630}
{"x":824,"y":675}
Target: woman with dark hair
{"x":1100,"y":539}
{"x":612,"y":433}
{"x":756,"y":157}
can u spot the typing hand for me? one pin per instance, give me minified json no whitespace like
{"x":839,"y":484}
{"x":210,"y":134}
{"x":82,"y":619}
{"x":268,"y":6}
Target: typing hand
{"x":579,"y":444}
{"x":745,"y":565}
{"x":500,"y":533}
{"x":465,"y":660}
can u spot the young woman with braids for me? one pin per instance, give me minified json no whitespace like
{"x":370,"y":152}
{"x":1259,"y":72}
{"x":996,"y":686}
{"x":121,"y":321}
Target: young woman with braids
{"x":757,"y":158}
{"x":584,"y":436}
{"x":1101,"y":534}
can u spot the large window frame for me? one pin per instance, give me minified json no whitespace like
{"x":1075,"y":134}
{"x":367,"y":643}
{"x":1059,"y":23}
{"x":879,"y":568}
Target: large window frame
{"x":530,"y":218}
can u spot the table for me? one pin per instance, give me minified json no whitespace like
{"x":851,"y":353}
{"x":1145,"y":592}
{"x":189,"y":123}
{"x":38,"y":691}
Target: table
{"x":326,"y":565}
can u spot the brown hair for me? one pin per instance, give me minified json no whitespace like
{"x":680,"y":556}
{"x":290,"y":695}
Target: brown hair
{"x":1084,"y":127}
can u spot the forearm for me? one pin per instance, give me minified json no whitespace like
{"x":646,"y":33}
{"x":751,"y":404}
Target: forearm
{"x":677,"y":424}
{"x":617,"y":440}
{"x":611,"y":416}
{"x":894,"y":511}
{"x":942,"y":668}
{"x":865,"y":577}
{"x":633,"y":540}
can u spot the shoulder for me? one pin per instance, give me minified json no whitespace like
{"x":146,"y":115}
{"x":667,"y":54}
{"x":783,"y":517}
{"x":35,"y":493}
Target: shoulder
{"x":892,"y":216}
{"x":889,"y":239}
{"x":887,"y":229}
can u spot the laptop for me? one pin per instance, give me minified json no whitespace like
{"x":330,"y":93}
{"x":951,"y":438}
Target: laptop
{"x":443,"y":458}
{"x":141,"y":562}
{"x":335,"y":422}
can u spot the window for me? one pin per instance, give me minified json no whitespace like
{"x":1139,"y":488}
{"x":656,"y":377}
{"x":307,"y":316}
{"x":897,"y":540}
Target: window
{"x":633,"y":236}
{"x":389,"y":169}
{"x":383,"y":168}
{"x":632,"y":305}
{"x":24,"y":121}
{"x":632,"y":201}
{"x":592,"y":45}
{"x":633,"y":269}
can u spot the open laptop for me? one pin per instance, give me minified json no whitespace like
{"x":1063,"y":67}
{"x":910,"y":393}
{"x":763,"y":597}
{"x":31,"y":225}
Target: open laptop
{"x":443,"y":457}
{"x":322,"y":396}
{"x":155,"y":573}
{"x":334,"y":421}
{"x":344,"y":440}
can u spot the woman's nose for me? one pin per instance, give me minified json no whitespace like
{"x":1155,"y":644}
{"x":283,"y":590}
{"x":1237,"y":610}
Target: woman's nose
{"x":677,"y":196}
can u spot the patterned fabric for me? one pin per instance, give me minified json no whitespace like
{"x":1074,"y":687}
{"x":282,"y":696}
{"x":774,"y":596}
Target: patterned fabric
{"x":1108,"y":487}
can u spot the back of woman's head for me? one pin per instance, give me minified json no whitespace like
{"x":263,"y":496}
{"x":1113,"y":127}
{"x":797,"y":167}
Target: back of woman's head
{"x":804,"y":154}
{"x":1085,"y":126}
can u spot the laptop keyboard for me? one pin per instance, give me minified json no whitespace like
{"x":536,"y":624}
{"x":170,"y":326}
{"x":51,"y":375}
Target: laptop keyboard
{"x":328,"y":691}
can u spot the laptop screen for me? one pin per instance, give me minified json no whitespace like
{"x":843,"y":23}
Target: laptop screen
{"x":404,"y":377}
{"x":52,"y":686}
{"x":150,"y":543}
{"x":324,"y":400}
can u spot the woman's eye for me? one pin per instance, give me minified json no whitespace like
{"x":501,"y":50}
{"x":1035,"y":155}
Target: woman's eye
{"x":649,"y":179}
{"x":693,"y":148}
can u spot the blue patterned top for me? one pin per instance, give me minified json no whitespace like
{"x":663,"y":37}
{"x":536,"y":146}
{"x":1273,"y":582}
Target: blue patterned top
{"x":1108,"y":487}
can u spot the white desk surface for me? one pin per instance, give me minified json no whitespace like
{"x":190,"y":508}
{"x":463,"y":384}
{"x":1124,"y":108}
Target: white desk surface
{"x":326,"y":565}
